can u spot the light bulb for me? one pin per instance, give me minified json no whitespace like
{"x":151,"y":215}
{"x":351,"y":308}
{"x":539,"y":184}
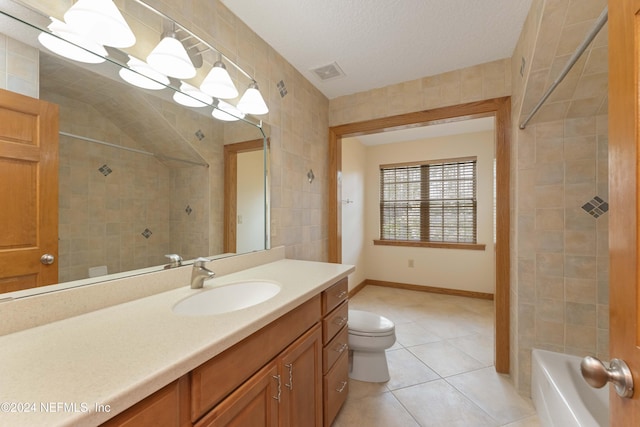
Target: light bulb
{"x":218,"y":83}
{"x":70,"y":44}
{"x":252,"y":101}
{"x":191,"y":96}
{"x":170,"y":58}
{"x":142,"y":75}
{"x":102,"y":21}
{"x":227,"y":112}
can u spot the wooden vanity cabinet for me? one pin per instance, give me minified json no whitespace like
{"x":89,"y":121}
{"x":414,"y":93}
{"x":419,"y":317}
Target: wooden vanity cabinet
{"x":168,"y":407}
{"x":335,"y":359}
{"x":292,"y":372}
{"x":285,"y":393}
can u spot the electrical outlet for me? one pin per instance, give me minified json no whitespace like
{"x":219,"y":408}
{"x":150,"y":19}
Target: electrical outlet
{"x":239,"y":219}
{"x":410,"y":263}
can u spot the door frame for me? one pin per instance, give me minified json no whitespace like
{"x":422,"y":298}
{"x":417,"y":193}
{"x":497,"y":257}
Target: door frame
{"x":231,"y":152}
{"x":500,"y":108}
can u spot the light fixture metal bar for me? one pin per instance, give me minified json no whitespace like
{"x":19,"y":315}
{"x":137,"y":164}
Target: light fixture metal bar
{"x":183,"y":28}
{"x":602,"y":19}
{"x":135,"y":150}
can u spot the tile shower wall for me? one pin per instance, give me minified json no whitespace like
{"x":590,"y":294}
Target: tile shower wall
{"x":18,"y":67}
{"x":116,"y":207}
{"x":559,"y":254}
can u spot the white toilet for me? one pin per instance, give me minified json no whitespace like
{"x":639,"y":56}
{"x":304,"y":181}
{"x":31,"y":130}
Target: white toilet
{"x":369,"y":336}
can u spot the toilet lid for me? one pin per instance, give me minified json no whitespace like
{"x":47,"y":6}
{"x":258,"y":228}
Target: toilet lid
{"x":364,"y":322}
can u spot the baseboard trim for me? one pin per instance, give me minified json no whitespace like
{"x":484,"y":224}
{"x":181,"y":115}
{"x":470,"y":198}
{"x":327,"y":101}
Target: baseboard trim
{"x":431,"y":289}
{"x":357,"y":288}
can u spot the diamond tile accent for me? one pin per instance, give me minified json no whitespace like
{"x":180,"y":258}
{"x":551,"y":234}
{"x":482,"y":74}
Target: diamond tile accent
{"x":105,"y":170}
{"x":188,"y":210}
{"x":199,"y":135}
{"x":147,"y":233}
{"x":596,"y":207}
{"x":282,"y":89}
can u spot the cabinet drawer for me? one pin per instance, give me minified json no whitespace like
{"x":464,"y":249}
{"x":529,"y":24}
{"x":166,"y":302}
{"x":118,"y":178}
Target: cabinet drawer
{"x":335,"y":295}
{"x":336,"y":388}
{"x":334,"y":321}
{"x":335,"y":348}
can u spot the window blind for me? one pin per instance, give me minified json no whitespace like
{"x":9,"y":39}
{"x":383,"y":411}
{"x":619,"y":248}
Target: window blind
{"x":429,"y":202}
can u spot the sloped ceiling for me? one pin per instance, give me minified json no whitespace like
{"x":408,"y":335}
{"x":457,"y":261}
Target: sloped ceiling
{"x":145,"y":118}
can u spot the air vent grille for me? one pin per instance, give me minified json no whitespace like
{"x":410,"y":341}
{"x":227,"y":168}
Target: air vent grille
{"x":328,"y":72}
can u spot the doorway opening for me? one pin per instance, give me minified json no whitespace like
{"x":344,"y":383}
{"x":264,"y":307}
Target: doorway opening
{"x":500,"y":109}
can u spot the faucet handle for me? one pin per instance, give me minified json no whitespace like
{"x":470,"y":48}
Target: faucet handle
{"x":200,"y":262}
{"x":175,"y":260}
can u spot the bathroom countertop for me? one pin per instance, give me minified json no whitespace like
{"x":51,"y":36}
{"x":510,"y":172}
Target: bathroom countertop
{"x":64,"y":372}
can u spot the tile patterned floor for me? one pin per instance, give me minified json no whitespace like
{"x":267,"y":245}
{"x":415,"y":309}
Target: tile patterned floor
{"x":441,"y":367}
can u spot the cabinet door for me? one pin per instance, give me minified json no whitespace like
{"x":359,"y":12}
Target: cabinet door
{"x":168,"y":407}
{"x":301,"y":370}
{"x":254,"y":404}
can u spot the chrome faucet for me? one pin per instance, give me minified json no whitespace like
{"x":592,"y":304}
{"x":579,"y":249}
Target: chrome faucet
{"x":200,"y":273}
{"x":175,"y":261}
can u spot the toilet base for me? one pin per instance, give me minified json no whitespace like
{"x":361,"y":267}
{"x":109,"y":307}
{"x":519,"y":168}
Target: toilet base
{"x":368,"y":366}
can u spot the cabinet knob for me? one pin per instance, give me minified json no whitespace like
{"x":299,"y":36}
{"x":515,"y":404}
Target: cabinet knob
{"x":342,"y":295}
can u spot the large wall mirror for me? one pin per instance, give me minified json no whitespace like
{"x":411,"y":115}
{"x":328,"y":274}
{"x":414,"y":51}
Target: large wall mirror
{"x":141,"y":176}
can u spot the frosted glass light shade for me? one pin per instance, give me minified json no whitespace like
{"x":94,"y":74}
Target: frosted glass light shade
{"x":102,"y":21}
{"x":188,"y":93}
{"x":252,"y":101}
{"x":142,"y":75}
{"x":170,"y":58}
{"x":218,"y":83}
{"x":71,"y":45}
{"x":227,"y":112}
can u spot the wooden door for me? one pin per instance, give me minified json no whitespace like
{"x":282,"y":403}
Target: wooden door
{"x":28,"y":191}
{"x":255,"y":403}
{"x":301,"y":371}
{"x":624,"y":187}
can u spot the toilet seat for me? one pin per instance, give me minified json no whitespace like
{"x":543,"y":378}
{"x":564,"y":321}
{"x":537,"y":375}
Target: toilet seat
{"x":367,"y":324}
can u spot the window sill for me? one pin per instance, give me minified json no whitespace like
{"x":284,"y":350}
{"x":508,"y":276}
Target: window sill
{"x":440,"y":245}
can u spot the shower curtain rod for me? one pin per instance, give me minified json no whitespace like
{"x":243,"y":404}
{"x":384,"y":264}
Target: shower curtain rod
{"x":146,"y":153}
{"x":602,"y":19}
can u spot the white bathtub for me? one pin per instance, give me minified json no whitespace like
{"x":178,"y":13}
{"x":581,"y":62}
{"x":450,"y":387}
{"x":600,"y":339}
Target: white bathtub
{"x":561,"y":396}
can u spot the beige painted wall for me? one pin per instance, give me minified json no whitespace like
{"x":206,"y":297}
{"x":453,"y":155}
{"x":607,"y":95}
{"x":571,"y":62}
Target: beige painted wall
{"x":250,"y":222}
{"x":467,"y":270}
{"x":354,"y":166}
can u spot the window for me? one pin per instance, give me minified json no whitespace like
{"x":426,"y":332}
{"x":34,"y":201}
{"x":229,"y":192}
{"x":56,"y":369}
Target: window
{"x":429,"y":202}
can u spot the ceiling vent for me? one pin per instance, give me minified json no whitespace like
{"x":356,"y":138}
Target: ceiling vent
{"x":328,"y":72}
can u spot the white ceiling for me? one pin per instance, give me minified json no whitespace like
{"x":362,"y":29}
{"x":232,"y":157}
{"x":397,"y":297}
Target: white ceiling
{"x":382,"y":42}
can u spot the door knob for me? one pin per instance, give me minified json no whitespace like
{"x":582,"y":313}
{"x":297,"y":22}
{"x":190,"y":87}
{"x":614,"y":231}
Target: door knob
{"x":47,"y":259}
{"x":618,"y":373}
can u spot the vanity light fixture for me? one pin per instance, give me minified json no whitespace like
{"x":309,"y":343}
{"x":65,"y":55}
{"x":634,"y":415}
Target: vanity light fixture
{"x":70,"y":44}
{"x":101,"y":21}
{"x":171,"y":58}
{"x":227,"y":112}
{"x":218,"y":82}
{"x":252,"y":101}
{"x":191,"y":96}
{"x":142,"y":75}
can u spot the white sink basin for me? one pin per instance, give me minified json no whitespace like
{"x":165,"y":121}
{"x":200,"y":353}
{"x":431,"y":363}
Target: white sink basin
{"x":226,"y":298}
